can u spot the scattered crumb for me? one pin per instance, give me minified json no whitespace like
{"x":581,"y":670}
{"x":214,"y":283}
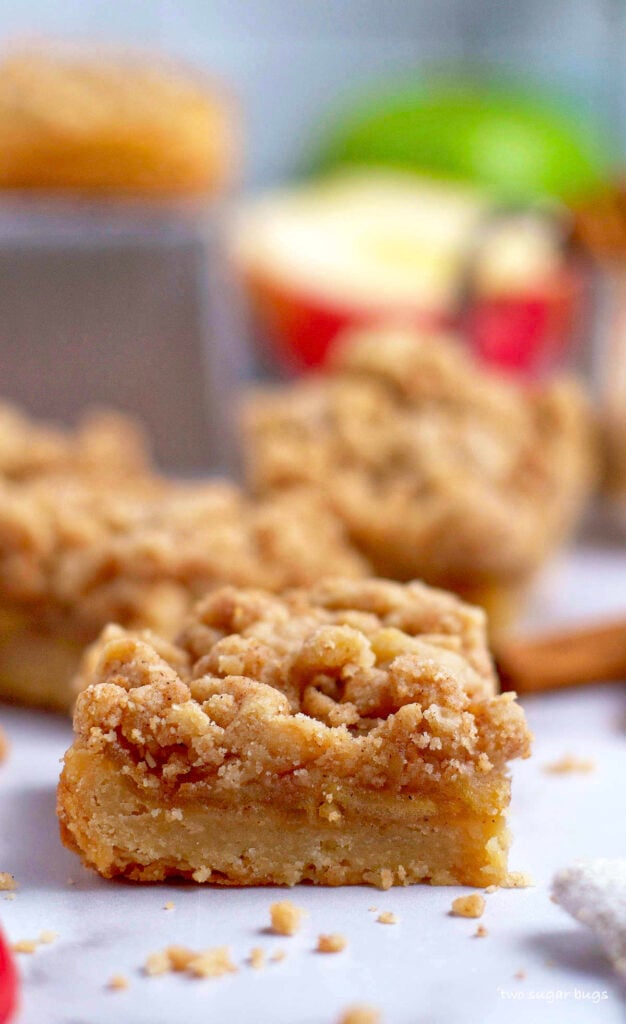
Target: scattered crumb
{"x":180,"y":957}
{"x":212,"y":963}
{"x":331,"y":943}
{"x":387,"y":917}
{"x":468,"y":906}
{"x":117,"y":983}
{"x":24,"y":946}
{"x":157,"y":963}
{"x":386,"y":878}
{"x":278,"y":955}
{"x":48,"y":936}
{"x":492,"y":888}
{"x":360,"y":1014}
{"x":10,"y":896}
{"x":4,"y":746}
{"x":209,"y":963}
{"x":285,"y":917}
{"x":373,"y":909}
{"x":257,"y":958}
{"x":481,"y":932}
{"x":518,"y":880}
{"x":568,"y":764}
{"x":520,"y":975}
{"x":169,"y":905}
{"x":7,"y":882}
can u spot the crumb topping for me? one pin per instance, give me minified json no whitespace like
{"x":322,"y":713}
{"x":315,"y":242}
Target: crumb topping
{"x":7,"y":882}
{"x":437,"y":466}
{"x":334,"y":943}
{"x":286,"y":918}
{"x":82,"y":554}
{"x":469,"y":906}
{"x":371,"y":681}
{"x":481,"y":932}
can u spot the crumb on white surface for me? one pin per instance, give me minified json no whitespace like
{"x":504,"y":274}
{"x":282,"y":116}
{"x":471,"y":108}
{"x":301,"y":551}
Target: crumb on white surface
{"x":25,"y":946}
{"x":569,"y":764}
{"x":285,"y":917}
{"x":387,"y":917}
{"x":117,"y":983}
{"x":594,"y":893}
{"x":520,"y":975}
{"x":48,"y":936}
{"x":7,"y":882}
{"x":360,"y":1014}
{"x":334,"y":943}
{"x":278,"y":956}
{"x":468,"y":906}
{"x":481,"y":932}
{"x":169,"y":905}
{"x":257,"y":958}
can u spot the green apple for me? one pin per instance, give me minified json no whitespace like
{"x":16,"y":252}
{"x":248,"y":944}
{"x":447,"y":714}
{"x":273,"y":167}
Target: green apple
{"x":520,"y":145}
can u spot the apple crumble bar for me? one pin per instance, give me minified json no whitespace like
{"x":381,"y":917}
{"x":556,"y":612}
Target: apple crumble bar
{"x":440,"y":469}
{"x":343,"y":734}
{"x":75,"y":555}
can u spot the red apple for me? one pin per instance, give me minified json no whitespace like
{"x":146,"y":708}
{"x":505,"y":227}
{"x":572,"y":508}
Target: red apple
{"x":370,"y":247}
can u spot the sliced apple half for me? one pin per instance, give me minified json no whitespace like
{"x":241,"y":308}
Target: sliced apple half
{"x":381,"y":246}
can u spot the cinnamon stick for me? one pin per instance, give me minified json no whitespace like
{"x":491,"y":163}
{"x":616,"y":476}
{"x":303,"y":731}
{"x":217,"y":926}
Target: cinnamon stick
{"x":570,"y":657}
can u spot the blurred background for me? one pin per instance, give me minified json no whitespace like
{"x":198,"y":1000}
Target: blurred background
{"x":458,"y":165}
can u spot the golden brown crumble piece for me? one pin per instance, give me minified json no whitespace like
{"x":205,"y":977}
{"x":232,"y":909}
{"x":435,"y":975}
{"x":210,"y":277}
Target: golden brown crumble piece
{"x":387,"y":917}
{"x":468,"y":906}
{"x":208,"y":963}
{"x":217,"y":758}
{"x":7,"y":882}
{"x":118,"y":982}
{"x":481,"y":932}
{"x":278,"y":956}
{"x":212,"y":963}
{"x":569,"y":764}
{"x":518,"y":880}
{"x":157,"y":963}
{"x":169,"y":905}
{"x":440,"y":469}
{"x":360,"y":1014}
{"x":48,"y":936}
{"x":25,"y":946}
{"x":334,"y":943}
{"x":286,"y":918}
{"x":257,"y":958}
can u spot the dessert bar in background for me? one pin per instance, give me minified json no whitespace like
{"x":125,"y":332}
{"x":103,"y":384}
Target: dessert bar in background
{"x":439,"y":469}
{"x":349,"y":733}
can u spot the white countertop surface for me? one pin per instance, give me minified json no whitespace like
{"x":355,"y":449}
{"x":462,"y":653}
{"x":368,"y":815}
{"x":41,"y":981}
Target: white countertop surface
{"x":427,"y":969}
